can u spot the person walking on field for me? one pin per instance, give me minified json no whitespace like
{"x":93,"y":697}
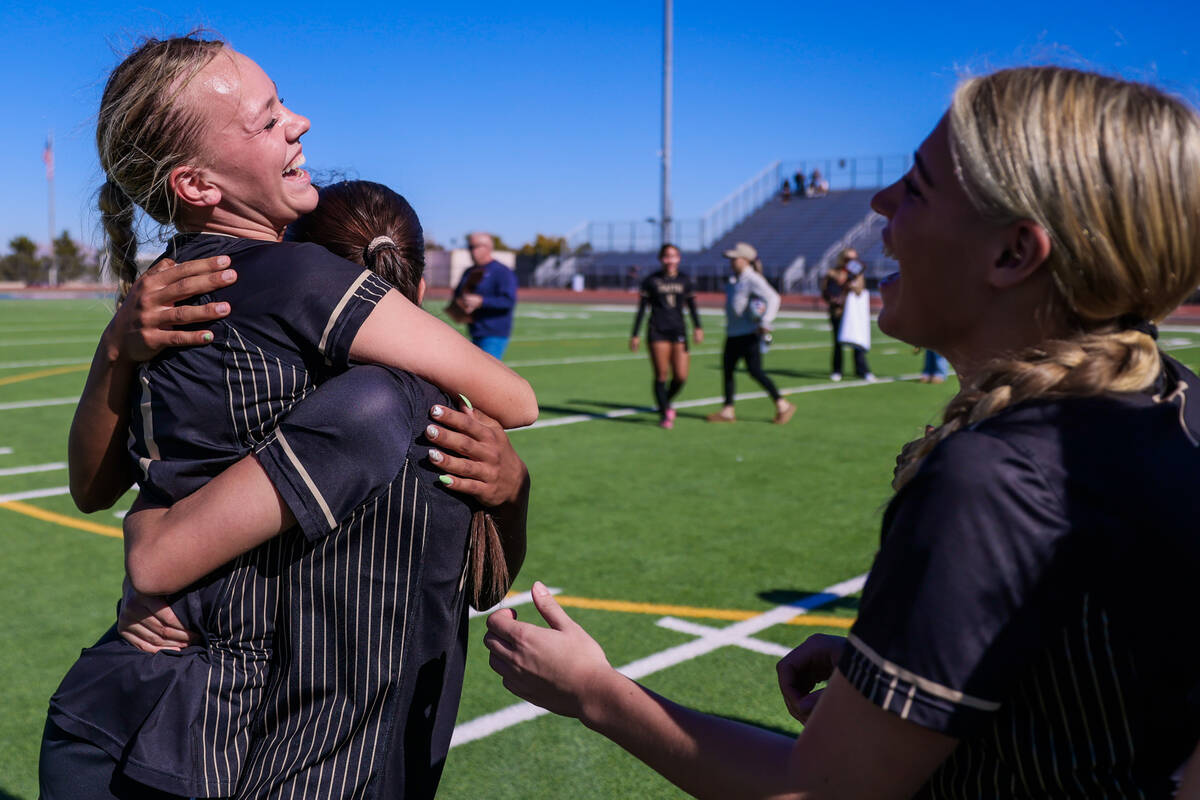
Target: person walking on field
{"x":833,"y":292}
{"x":750,"y":308}
{"x":855,"y":329}
{"x":665,"y":292}
{"x":485,"y":298}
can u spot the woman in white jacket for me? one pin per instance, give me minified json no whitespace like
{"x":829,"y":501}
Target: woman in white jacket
{"x":750,"y":308}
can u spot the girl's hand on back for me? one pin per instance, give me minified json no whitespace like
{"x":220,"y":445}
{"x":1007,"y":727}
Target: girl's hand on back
{"x":147,"y":320}
{"x":476,"y":455}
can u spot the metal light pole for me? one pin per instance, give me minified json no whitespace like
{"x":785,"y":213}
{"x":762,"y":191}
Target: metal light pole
{"x":664,"y":214}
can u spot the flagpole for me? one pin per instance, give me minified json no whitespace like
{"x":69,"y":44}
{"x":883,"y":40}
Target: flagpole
{"x":48,"y":157}
{"x":664,"y":213}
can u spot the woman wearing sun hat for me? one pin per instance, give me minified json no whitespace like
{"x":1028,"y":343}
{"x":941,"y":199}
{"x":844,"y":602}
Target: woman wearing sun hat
{"x":750,"y":307}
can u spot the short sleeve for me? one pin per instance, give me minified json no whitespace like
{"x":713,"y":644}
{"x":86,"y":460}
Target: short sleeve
{"x":325,"y":462}
{"x":962,"y":591}
{"x":327,"y":301}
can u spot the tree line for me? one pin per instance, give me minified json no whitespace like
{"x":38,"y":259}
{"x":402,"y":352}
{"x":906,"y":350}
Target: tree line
{"x":25,"y":265}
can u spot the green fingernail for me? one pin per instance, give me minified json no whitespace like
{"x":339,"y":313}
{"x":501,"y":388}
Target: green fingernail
{"x":446,"y":479}
{"x":466,"y":402}
{"x":207,"y":337}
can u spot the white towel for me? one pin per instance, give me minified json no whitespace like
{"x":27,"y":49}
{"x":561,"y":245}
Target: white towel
{"x":856,"y":320}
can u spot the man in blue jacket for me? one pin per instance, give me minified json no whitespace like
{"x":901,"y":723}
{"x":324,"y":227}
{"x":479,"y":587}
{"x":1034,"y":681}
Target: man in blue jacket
{"x":485,"y":298}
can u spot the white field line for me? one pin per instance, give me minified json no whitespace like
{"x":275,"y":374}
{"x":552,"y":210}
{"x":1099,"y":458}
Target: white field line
{"x":557,"y":362}
{"x":749,"y":643}
{"x":49,"y":362}
{"x":33,"y":494}
{"x":524,"y":598}
{"x":708,"y":401}
{"x":27,"y":342}
{"x":54,"y":401}
{"x":32,"y":468}
{"x":733,"y":634}
{"x":5,"y":451}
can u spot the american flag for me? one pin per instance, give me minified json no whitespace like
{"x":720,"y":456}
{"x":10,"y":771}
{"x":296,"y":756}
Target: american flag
{"x":48,"y":157}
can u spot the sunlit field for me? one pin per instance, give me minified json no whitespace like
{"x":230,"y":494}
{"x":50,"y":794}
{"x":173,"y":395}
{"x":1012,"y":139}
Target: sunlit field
{"x":653,"y":538}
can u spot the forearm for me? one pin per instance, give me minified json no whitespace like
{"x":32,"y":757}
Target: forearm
{"x":637,"y":317}
{"x":691,"y":304}
{"x":704,"y":755}
{"x":399,"y":334}
{"x":168,"y":550}
{"x":99,"y":467}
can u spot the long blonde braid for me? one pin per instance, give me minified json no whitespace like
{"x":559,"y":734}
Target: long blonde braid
{"x":1111,"y":170}
{"x":143,"y":132}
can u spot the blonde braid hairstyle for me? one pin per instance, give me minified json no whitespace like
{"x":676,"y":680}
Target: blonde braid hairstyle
{"x":1111,"y":170}
{"x":142,"y":133}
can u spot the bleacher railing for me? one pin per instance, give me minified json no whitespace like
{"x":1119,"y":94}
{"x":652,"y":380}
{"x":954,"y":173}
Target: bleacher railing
{"x":695,"y":234}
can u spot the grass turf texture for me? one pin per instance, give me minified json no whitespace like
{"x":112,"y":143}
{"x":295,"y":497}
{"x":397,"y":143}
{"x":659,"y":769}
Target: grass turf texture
{"x":712,"y":516}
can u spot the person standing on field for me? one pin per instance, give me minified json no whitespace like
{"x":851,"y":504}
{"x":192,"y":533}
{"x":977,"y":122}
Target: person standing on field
{"x":485,"y":298}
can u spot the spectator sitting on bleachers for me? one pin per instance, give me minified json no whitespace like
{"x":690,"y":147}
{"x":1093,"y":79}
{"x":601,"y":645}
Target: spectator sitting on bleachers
{"x":799,"y":179}
{"x":785,"y":190}
{"x":817,"y":185}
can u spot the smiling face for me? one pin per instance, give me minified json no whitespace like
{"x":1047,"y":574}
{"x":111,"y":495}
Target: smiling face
{"x":943,"y":246}
{"x":670,"y":260}
{"x":250,"y":183}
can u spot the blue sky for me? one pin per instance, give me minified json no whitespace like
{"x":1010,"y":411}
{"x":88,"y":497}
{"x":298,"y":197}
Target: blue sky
{"x":529,"y":117}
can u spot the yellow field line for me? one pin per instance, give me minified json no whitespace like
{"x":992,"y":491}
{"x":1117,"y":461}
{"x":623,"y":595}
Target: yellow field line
{"x":43,"y":373}
{"x":692,"y":611}
{"x":660,"y":609}
{"x":61,"y":519}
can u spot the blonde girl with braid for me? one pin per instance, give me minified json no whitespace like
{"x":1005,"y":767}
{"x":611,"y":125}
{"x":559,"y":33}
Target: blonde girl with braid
{"x":1026,"y":629}
{"x":195,"y":135}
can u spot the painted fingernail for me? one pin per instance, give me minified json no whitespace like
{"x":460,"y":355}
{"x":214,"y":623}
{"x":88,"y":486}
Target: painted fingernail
{"x":436,"y":456}
{"x":446,"y":480}
{"x":466,"y":402}
{"x":206,"y":336}
{"x":436,"y":412}
{"x":222,"y":308}
{"x":228,"y":275}
{"x":432,"y":431}
{"x":222,"y":261}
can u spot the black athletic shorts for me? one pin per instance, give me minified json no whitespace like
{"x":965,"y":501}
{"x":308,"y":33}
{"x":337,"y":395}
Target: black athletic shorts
{"x":674,"y":335}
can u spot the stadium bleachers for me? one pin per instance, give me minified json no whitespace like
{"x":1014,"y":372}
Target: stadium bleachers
{"x":795,"y":240}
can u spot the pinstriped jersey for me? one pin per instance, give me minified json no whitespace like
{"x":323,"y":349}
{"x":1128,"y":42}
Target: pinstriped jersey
{"x":372,"y":614}
{"x":180,"y":723}
{"x":1033,"y":595}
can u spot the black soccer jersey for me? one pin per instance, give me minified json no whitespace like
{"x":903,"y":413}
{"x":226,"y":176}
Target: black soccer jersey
{"x":180,"y":722}
{"x":1032,"y":597}
{"x":666,"y":296}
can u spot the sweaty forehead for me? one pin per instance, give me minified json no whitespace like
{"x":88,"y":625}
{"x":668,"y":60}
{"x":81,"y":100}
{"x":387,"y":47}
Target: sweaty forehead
{"x":231,"y":89}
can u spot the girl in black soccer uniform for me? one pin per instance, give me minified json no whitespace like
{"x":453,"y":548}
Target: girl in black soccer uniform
{"x":299,"y":314}
{"x":666,"y":292}
{"x":1025,"y":630}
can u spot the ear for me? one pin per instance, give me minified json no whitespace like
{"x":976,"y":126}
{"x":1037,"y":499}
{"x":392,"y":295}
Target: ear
{"x":420,"y":291}
{"x":1026,"y":246}
{"x":191,"y":186}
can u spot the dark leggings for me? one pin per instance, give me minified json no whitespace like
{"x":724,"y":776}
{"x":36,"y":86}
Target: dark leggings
{"x":835,"y":322}
{"x":74,"y":769}
{"x":737,"y":348}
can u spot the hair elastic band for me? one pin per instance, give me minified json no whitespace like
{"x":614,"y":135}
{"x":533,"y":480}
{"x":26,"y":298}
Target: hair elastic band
{"x":378,"y":242}
{"x":1139,"y":324}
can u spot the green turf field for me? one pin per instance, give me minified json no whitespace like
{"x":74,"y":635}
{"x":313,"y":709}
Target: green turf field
{"x":710,"y":519}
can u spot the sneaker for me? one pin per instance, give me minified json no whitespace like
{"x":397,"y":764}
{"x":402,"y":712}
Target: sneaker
{"x":720,"y":416}
{"x":835,"y":376}
{"x":870,"y":377}
{"x":783,"y":415}
{"x":666,"y":423}
{"x":670,"y":417}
